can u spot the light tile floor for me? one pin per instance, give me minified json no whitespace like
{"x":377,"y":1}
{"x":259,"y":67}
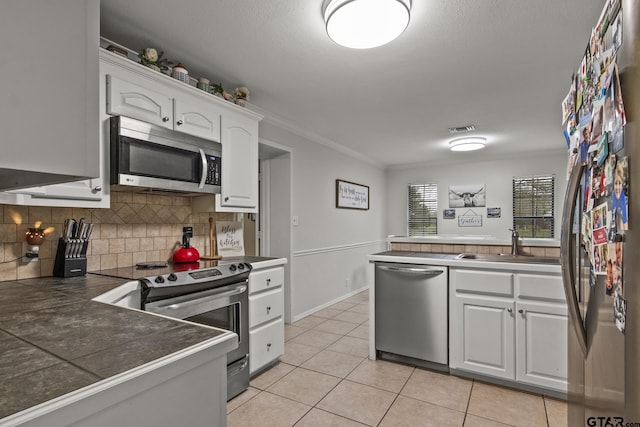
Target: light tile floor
{"x":325,"y":379}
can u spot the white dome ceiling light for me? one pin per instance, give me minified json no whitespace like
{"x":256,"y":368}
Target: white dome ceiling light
{"x":468,"y":143}
{"x":363,"y":24}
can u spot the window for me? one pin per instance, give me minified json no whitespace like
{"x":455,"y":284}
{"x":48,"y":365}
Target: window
{"x":423,"y":209}
{"x":533,"y":207}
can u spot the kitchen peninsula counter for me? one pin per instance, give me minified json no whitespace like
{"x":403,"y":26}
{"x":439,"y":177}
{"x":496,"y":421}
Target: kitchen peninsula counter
{"x":57,"y":346}
{"x":492,"y":298}
{"x":455,"y":260}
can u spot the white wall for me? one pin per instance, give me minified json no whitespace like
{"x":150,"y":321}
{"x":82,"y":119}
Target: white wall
{"x":329,"y":246}
{"x":495,"y":174}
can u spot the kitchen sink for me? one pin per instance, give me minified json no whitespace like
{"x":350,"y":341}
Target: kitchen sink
{"x":521,"y":258}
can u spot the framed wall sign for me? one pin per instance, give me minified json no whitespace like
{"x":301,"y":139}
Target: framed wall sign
{"x":493,"y":212}
{"x":470,"y":219}
{"x":350,"y":195}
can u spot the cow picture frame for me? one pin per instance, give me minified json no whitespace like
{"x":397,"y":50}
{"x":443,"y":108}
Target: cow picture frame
{"x":467,"y":196}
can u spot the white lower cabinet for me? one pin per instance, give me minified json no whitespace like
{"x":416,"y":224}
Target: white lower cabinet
{"x":483,"y":341}
{"x":266,"y":344}
{"x":514,"y":328}
{"x":541,"y":345}
{"x":266,"y":317}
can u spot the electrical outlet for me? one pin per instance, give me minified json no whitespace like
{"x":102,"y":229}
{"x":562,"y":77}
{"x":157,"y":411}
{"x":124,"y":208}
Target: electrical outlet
{"x":31,"y":253}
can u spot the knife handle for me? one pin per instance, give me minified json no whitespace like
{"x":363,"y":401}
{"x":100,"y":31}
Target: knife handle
{"x":83,"y":251}
{"x":67,"y":248}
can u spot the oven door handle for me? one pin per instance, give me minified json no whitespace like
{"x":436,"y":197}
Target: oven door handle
{"x":203,"y":159}
{"x":166,"y":308}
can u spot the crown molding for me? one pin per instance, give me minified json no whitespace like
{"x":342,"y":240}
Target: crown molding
{"x":311,"y":136}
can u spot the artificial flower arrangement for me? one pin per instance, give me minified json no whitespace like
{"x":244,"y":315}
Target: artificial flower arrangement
{"x":150,"y":58}
{"x":217,"y":89}
{"x":241,"y":93}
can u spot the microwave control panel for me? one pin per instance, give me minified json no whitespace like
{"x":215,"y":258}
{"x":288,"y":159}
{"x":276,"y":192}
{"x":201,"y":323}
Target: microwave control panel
{"x":214,"y":166}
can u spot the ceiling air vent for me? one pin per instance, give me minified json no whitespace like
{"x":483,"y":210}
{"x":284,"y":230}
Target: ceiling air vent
{"x":462,"y":129}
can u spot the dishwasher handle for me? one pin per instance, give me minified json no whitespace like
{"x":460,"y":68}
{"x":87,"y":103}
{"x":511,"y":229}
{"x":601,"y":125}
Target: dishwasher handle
{"x":409,"y":270}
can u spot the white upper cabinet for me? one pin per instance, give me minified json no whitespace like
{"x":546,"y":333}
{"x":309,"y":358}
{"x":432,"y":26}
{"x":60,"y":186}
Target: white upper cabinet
{"x":49,"y":87}
{"x":130,"y":96}
{"x":239,"y":165}
{"x":197,"y":117}
{"x":134,"y":100}
{"x":138,"y":92}
{"x":130,"y":89}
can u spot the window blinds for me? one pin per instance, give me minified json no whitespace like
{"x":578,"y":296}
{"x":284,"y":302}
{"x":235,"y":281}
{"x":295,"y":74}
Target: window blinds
{"x":423,"y":209}
{"x":533,"y":206}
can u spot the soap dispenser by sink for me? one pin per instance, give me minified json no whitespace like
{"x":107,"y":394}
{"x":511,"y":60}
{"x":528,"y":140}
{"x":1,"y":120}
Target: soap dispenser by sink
{"x":514,"y":241}
{"x":186,"y":253}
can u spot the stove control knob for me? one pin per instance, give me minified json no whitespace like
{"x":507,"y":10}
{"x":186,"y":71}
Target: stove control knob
{"x":240,"y":266}
{"x":172,"y":277}
{"x":232,"y":267}
{"x":159,"y":279}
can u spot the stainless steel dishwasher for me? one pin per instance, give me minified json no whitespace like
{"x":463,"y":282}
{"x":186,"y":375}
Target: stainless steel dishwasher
{"x":411,"y":314}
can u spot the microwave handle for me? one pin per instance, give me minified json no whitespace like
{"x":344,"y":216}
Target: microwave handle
{"x":203,"y":158}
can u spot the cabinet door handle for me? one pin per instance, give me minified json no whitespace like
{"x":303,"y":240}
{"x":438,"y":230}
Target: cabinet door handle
{"x":268,"y":309}
{"x":165,"y":119}
{"x":510,"y":310}
{"x":96,"y":189}
{"x":226,"y":199}
{"x":521,"y":311}
{"x":268,"y":346}
{"x":268,"y":282}
{"x":179,"y":122}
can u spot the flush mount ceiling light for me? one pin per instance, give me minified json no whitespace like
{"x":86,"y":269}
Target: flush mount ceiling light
{"x":363,"y":24}
{"x":467,"y":144}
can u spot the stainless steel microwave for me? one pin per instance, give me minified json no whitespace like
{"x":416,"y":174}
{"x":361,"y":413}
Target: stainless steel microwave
{"x":147,"y":156}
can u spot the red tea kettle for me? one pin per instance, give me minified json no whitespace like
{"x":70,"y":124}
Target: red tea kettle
{"x":186,"y":253}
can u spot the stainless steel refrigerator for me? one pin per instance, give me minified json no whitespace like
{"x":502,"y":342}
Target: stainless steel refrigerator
{"x":604,"y":317}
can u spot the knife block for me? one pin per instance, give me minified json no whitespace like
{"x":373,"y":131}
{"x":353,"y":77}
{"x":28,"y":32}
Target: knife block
{"x":66,"y":266}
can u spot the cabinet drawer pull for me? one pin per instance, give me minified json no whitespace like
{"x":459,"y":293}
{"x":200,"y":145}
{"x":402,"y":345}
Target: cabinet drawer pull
{"x":268,"y":282}
{"x":268,"y":346}
{"x":179,"y":122}
{"x":510,"y":310}
{"x":165,"y":119}
{"x":268,"y":309}
{"x":96,"y":189}
{"x":521,"y":311}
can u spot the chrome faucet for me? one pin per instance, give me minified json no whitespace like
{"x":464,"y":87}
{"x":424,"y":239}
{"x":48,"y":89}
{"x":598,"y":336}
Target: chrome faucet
{"x":514,"y":241}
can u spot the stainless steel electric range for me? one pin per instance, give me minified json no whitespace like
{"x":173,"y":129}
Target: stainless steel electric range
{"x":211,"y":293}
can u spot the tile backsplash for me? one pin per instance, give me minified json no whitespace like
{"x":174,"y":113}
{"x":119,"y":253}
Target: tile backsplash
{"x":478,"y":249}
{"x":137,"y":227}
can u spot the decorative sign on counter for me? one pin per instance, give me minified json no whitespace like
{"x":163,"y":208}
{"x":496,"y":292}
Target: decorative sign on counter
{"x":230,"y":238}
{"x":350,"y":195}
{"x":470,"y":219}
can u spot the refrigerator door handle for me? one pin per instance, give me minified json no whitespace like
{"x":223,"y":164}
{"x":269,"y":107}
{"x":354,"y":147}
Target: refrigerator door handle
{"x":567,"y":255}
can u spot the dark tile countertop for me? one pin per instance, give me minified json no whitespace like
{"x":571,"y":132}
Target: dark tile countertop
{"x":54,"y":339}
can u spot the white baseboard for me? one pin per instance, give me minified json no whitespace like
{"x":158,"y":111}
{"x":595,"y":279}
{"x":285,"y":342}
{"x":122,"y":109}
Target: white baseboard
{"x":329,"y":303}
